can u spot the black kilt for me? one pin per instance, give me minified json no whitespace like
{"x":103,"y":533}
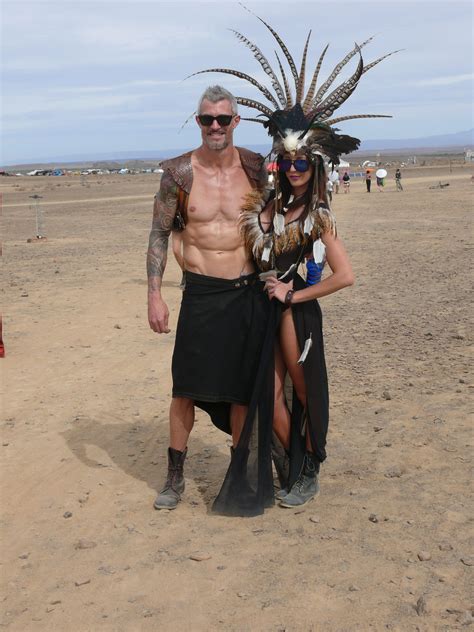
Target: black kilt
{"x":219,"y":336}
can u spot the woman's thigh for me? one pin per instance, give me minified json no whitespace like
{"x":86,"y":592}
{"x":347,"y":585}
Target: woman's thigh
{"x":280,"y":373}
{"x":291,"y":352}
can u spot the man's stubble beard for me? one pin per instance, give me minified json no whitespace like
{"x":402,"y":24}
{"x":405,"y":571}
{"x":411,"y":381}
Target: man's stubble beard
{"x":217,"y":145}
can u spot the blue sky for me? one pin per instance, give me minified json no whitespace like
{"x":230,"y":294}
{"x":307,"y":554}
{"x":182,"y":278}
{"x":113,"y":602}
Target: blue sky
{"x":106,"y":76}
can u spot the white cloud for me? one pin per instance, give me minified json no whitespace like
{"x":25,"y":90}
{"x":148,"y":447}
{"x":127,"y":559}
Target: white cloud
{"x":446,"y":81}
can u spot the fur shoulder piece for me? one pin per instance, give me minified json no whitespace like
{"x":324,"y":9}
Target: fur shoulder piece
{"x":322,"y":220}
{"x":249,"y":225}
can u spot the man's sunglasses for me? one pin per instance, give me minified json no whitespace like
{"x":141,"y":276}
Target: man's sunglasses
{"x":300,"y":164}
{"x":223,"y":119}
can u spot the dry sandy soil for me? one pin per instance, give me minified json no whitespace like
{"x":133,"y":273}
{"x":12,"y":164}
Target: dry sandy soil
{"x":86,"y":391}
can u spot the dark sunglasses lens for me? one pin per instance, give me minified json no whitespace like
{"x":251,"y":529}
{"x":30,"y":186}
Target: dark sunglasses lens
{"x":222,"y":119}
{"x":205,"y":119}
{"x":301,"y":165}
{"x":284,"y":165}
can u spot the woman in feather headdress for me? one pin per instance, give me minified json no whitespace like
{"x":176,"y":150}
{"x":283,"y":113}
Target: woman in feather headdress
{"x":294,"y":224}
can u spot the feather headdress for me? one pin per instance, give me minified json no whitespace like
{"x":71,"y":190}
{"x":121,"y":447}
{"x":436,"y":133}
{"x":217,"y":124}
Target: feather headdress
{"x":303,"y":121}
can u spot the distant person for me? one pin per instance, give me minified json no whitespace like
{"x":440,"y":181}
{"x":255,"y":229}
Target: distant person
{"x":329,"y":189}
{"x":368,"y":181}
{"x":335,"y":180}
{"x":346,"y":180}
{"x":398,"y":180}
{"x":380,"y":184}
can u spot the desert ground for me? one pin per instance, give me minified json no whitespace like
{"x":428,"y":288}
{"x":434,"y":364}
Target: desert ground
{"x":86,"y":387}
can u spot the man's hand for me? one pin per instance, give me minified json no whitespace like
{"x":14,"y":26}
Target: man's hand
{"x":158,"y":314}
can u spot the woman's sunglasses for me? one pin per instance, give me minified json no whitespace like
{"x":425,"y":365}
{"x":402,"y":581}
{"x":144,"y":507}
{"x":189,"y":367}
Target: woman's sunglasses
{"x":300,"y":164}
{"x":223,"y":119}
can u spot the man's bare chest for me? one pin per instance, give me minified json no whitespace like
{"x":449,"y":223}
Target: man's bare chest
{"x":217,"y":198}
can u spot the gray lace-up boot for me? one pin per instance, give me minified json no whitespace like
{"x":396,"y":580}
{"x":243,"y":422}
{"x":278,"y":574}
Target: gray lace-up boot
{"x":306,"y":487}
{"x":170,"y":495}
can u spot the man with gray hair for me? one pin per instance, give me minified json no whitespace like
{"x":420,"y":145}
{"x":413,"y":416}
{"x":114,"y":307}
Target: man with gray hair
{"x":223,"y":312}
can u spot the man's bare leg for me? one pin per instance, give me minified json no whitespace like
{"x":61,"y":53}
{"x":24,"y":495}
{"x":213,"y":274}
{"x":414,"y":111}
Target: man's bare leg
{"x":238,"y":412}
{"x":181,"y":422}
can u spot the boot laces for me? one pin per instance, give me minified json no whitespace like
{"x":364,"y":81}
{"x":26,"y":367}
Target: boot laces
{"x":172,"y":478}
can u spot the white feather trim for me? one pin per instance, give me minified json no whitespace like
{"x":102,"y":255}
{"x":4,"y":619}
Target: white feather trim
{"x":307,"y":346}
{"x":279,"y":223}
{"x":291,"y":142}
{"x":290,"y":200}
{"x":319,"y":251}
{"x":308,"y":224}
{"x":266,"y":253}
{"x":288,"y":272}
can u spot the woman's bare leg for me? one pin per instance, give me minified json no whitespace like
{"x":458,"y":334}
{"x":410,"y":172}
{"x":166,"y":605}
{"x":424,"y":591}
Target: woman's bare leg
{"x":291,"y":353}
{"x":238,"y":413}
{"x":281,"y":414}
{"x":307,"y":486}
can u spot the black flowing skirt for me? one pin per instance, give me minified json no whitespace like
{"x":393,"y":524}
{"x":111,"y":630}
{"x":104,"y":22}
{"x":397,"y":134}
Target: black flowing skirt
{"x":219,"y":337}
{"x":248,"y":486}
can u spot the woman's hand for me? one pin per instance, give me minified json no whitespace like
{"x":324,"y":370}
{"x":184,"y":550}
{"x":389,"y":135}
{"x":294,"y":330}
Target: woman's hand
{"x":277,"y":289}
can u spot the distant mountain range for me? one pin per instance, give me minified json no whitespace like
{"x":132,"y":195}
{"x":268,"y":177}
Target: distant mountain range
{"x":458,"y":140}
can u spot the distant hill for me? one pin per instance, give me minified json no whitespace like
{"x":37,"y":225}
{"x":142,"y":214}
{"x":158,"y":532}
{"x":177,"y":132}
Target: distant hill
{"x":459,"y":140}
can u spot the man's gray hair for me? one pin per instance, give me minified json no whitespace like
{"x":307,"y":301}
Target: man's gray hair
{"x":214,"y":94}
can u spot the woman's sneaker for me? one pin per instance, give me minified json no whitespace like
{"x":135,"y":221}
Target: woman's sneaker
{"x":281,"y":493}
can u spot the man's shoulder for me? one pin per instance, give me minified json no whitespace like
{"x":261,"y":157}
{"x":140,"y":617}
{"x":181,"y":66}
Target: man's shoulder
{"x":176,"y":160}
{"x":253,"y":166}
{"x":180,"y":169}
{"x":250,"y":157}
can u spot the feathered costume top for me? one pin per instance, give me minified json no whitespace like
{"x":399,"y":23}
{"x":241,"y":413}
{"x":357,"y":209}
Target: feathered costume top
{"x":266,"y":247}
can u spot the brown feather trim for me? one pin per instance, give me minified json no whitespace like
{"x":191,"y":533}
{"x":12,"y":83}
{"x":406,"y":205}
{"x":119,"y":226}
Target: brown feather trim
{"x":292,"y":237}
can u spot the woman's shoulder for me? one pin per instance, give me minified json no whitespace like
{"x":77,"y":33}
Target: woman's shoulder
{"x":322,"y":219}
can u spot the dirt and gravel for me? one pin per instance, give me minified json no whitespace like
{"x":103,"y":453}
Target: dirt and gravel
{"x":86,"y":385}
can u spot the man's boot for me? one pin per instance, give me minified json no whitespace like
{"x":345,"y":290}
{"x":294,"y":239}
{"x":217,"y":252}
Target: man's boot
{"x":307,"y":485}
{"x":170,"y":495}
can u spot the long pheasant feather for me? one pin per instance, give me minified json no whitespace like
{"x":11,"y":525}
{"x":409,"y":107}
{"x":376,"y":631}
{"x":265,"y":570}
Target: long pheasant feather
{"x":377,"y":61}
{"x":312,"y":88}
{"x":254,"y":104}
{"x":346,"y":85}
{"x":355,"y":116}
{"x":328,"y":110}
{"x":339,"y":95}
{"x":337,"y":69}
{"x":263,"y":61}
{"x":281,"y":43}
{"x":241,"y":75}
{"x":300,"y":87}
{"x":253,"y":120}
{"x":289,"y":98}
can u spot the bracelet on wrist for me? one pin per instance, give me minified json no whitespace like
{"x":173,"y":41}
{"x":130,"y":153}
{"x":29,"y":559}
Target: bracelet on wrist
{"x":289,"y":297}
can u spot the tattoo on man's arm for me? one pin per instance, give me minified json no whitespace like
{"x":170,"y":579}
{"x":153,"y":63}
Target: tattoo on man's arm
{"x":164,"y":210}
